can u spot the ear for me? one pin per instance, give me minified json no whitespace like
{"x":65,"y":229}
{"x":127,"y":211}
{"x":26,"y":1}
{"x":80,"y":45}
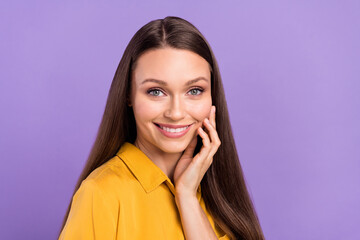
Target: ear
{"x":128,"y":102}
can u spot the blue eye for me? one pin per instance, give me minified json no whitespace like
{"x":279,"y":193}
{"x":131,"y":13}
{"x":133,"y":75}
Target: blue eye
{"x":156,"y":92}
{"x":196,"y":90}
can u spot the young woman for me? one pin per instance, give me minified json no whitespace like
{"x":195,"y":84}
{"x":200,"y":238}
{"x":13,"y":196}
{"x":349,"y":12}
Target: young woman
{"x":164,"y":164}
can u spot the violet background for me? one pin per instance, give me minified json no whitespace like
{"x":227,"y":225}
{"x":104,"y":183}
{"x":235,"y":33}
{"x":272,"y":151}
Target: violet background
{"x":291,"y":74}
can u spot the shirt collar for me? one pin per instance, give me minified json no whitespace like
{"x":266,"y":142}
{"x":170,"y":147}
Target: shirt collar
{"x":146,"y":171}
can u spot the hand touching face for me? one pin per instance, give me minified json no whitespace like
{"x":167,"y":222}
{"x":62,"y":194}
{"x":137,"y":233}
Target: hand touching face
{"x":190,"y":170}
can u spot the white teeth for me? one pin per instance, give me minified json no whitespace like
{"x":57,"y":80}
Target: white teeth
{"x":172,"y":130}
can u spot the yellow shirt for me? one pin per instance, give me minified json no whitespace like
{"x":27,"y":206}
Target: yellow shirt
{"x":129,"y":198}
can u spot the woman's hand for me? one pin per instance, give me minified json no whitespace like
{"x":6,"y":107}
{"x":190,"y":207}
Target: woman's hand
{"x":190,"y":170}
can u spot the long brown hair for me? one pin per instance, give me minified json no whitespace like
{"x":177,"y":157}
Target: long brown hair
{"x":223,"y":186}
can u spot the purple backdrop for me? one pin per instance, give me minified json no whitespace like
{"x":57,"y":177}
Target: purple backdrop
{"x":291,"y":75}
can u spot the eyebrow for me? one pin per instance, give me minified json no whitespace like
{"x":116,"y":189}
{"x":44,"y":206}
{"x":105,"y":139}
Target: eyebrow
{"x":165,"y":84}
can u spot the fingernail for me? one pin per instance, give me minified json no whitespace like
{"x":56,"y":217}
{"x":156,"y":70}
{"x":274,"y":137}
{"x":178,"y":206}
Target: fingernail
{"x":206,"y":120}
{"x":214,"y":108}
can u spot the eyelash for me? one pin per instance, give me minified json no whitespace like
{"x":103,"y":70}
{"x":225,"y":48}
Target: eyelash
{"x":154,"y":89}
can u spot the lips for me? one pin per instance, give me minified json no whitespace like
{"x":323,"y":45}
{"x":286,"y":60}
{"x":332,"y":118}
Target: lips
{"x":172,"y":133}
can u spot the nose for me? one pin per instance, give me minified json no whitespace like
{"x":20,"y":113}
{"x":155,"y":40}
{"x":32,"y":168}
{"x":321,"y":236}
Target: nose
{"x":175,"y":109}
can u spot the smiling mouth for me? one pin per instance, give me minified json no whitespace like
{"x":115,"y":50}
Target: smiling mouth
{"x":173,"y":129}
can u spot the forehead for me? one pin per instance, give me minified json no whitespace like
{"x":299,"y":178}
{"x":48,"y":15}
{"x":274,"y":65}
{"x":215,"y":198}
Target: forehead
{"x":170,"y":65}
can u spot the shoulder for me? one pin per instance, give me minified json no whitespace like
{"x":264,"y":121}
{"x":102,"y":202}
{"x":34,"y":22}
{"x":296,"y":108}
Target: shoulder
{"x":108,"y":180}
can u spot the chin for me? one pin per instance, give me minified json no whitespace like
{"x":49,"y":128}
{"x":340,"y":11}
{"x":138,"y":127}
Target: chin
{"x":173,"y":146}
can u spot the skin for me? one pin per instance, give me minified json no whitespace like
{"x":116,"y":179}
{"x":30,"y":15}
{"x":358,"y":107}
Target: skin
{"x":178,"y":104}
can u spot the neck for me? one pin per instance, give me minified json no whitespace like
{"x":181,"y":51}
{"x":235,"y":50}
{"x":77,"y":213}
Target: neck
{"x":164,"y":160}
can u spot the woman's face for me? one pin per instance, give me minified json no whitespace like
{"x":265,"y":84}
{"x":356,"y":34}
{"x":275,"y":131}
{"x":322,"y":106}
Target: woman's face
{"x":170,"y":87}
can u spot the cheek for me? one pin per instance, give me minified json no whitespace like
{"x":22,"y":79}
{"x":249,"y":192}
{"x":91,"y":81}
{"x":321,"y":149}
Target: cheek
{"x":200,"y":110}
{"x":144,"y":109}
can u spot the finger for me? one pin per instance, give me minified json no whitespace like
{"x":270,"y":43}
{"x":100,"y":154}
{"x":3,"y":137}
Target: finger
{"x":212,"y":116}
{"x":204,"y":158}
{"x":213,"y":133}
{"x":189,"y":151}
{"x":205,"y":137}
{"x":204,"y":151}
